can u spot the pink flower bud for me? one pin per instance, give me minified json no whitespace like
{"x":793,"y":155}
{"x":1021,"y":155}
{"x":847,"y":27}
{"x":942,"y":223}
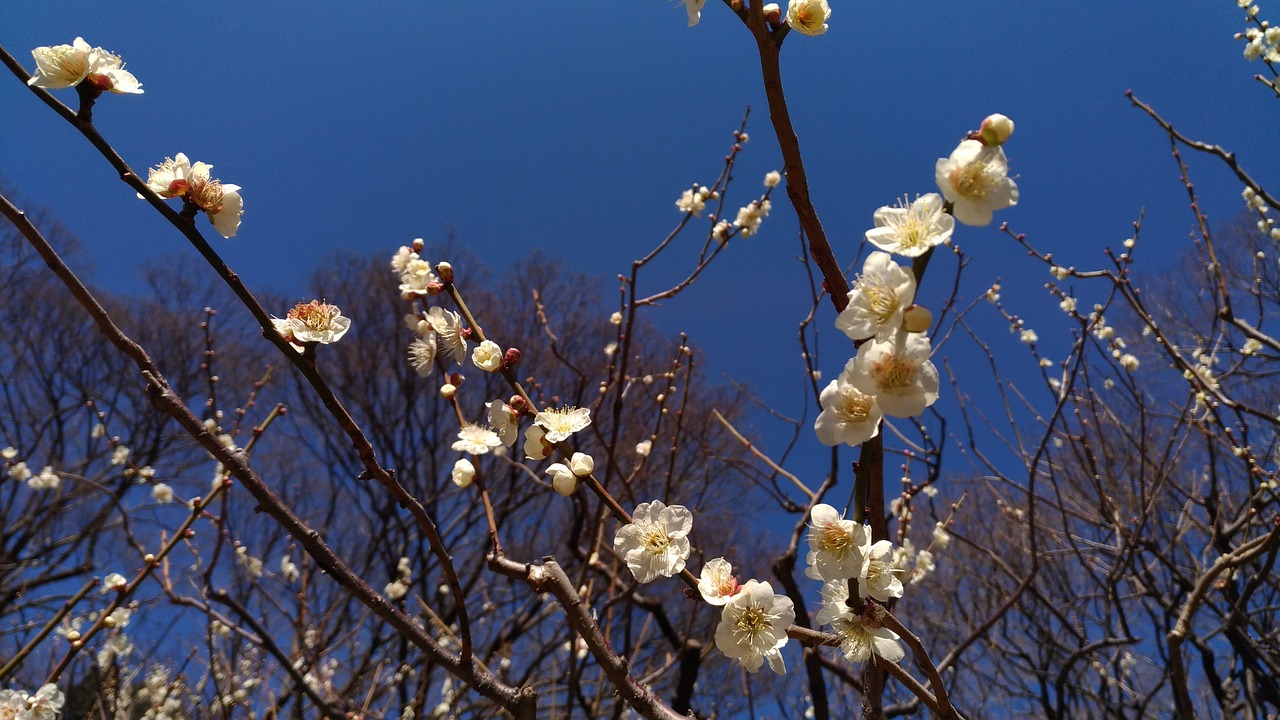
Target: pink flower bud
{"x":773,"y":13}
{"x":445,"y":271}
{"x":511,"y":358}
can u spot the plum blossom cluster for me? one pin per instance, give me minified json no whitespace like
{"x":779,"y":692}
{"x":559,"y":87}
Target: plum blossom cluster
{"x":753,"y":620}
{"x":804,"y":16}
{"x":891,"y":373}
{"x":1262,"y":40}
{"x":63,"y":66}
{"x":46,"y":479}
{"x":178,"y":177}
{"x":45,"y":704}
{"x":842,"y":555}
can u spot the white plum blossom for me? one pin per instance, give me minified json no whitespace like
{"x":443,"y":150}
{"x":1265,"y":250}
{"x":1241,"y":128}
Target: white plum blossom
{"x":878,"y":298}
{"x":753,"y":627}
{"x":560,"y":423}
{"x":401,"y":259}
{"x":536,"y":446}
{"x":10,"y":452}
{"x":46,"y":480}
{"x":422,"y":354}
{"x":692,"y":201}
{"x":179,"y":177}
{"x":808,"y":16}
{"x":62,"y":66}
{"x":861,"y":638}
{"x":837,"y":547}
{"x":20,"y":471}
{"x":487,"y":356}
{"x":563,"y":480}
{"x":877,"y":578}
{"x":716,"y":582}
{"x":288,"y":569}
{"x":655,"y":543}
{"x":750,"y":217}
{"x":996,"y":129}
{"x":114,"y":582}
{"x":644,"y":447}
{"x":46,"y":704}
{"x":120,"y":455}
{"x":476,"y":439}
{"x":463,"y":473}
{"x":582,"y":464}
{"x":313,"y":322}
{"x":503,"y":421}
{"x":772,"y":178}
{"x":835,"y":601}
{"x":448,"y":327}
{"x":975,"y":180}
{"x":912,"y":229}
{"x":898,"y":373}
{"x":848,"y":415}
{"x":162,"y":493}
{"x":417,"y":277}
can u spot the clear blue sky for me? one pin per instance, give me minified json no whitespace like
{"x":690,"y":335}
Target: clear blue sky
{"x":572,"y":127}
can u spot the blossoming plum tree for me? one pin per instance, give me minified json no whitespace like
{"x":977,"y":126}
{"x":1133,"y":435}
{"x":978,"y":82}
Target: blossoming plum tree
{"x":466,"y":583}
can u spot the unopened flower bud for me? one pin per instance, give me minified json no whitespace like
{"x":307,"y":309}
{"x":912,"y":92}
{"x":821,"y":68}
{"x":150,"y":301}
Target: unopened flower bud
{"x":435,"y":288}
{"x":115,"y":582}
{"x":517,"y":404}
{"x":916,"y":319}
{"x":445,"y":271}
{"x":582,"y":464}
{"x":995,"y":130}
{"x":511,"y":358}
{"x":455,"y":379}
{"x":418,"y":245}
{"x":448,"y":390}
{"x":773,"y":13}
{"x":562,"y":479}
{"x":463,"y":473}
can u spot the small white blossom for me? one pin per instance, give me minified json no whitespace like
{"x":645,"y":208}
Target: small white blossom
{"x":837,"y":547}
{"x":487,"y":356}
{"x":975,"y":179}
{"x":463,"y":473}
{"x":563,"y":480}
{"x":448,"y":327}
{"x":808,"y":16}
{"x":877,"y":578}
{"x":162,"y":493}
{"x":753,"y":627}
{"x":20,"y":472}
{"x":1029,"y":336}
{"x":582,"y":464}
{"x":62,"y":66}
{"x":10,"y":453}
{"x":772,"y":178}
{"x":313,"y":322}
{"x":46,"y":480}
{"x":898,"y":373}
{"x":503,"y":421}
{"x":691,"y":201}
{"x":716,"y":583}
{"x":655,"y":543}
{"x":644,"y":447}
{"x":288,"y":570}
{"x":848,"y":415}
{"x":476,"y":439}
{"x":120,"y":455}
{"x":422,"y":354}
{"x":115,"y":582}
{"x":860,"y":639}
{"x":560,"y":423}
{"x":878,"y":298}
{"x":912,"y":229}
{"x":1129,"y":362}
{"x":536,"y":445}
{"x":417,"y":277}
{"x":750,"y":217}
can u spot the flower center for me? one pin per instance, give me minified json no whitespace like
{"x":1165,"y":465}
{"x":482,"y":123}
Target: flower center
{"x":752,"y":621}
{"x":972,"y":180}
{"x":69,"y":60}
{"x":656,"y":541}
{"x":878,"y":298}
{"x":207,"y":194}
{"x":315,"y":315}
{"x":854,"y":405}
{"x":833,"y":539}
{"x":894,"y":373}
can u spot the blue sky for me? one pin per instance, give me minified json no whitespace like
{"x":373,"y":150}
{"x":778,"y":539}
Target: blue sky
{"x":572,"y":127}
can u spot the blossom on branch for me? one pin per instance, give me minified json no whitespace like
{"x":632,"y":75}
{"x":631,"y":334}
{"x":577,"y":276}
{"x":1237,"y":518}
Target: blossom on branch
{"x":463,"y":472}
{"x":878,"y":298}
{"x":878,"y":578}
{"x":898,"y":372}
{"x":503,"y":420}
{"x":808,"y":16}
{"x":861,"y":637}
{"x":313,"y":322}
{"x":560,"y":423}
{"x":975,"y":180}
{"x":655,"y":543}
{"x":912,"y":229}
{"x":487,"y":356}
{"x":448,"y":327}
{"x":837,"y":547}
{"x":716,"y":583}
{"x":62,"y":66}
{"x":476,"y":439}
{"x":179,"y":177}
{"x":848,"y":415}
{"x":753,"y":627}
{"x":46,"y":704}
